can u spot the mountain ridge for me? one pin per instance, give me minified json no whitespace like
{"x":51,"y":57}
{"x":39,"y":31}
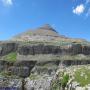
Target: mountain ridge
{"x":44,"y":33}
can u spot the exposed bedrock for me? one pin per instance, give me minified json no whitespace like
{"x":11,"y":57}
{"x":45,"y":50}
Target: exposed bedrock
{"x":21,"y":68}
{"x":27,"y":63}
{"x":7,"y":47}
{"x":48,"y":67}
{"x":76,"y":62}
{"x":72,"y":49}
{"x":4,"y":65}
{"x":32,"y":64}
{"x":19,"y":71}
{"x":50,"y":49}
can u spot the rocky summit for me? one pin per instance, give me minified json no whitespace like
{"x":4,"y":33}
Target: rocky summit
{"x":43,"y":33}
{"x":42,"y":59}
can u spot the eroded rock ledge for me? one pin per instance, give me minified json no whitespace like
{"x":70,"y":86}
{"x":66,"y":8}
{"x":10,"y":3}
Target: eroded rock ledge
{"x":33,"y":49}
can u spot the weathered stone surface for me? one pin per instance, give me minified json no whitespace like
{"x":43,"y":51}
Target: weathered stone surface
{"x":41,"y":84}
{"x":72,"y":49}
{"x":4,"y":65}
{"x":25,"y":63}
{"x":10,"y":83}
{"x":21,"y":68}
{"x":7,"y":47}
{"x":76,"y":62}
{"x":38,"y":49}
{"x":19,"y":71}
{"x":50,"y":49}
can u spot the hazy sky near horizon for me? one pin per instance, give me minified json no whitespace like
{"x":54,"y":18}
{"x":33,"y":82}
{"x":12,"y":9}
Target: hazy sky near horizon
{"x":68,"y":17}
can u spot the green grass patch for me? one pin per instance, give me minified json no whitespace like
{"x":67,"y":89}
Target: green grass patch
{"x":64,"y":80}
{"x":11,"y":57}
{"x":82,"y":76}
{"x":58,"y":83}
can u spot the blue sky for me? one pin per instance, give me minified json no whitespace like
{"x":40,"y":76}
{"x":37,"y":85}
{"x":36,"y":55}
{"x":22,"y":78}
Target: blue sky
{"x":68,"y":17}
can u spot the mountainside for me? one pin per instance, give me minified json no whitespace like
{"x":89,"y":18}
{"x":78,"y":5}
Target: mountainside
{"x":44,"y":43}
{"x":43,"y":33}
{"x":36,"y":59}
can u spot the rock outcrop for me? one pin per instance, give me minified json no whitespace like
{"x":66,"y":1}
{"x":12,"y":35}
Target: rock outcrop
{"x":10,"y":83}
{"x":50,"y":49}
{"x":43,"y":49}
{"x":7,"y":47}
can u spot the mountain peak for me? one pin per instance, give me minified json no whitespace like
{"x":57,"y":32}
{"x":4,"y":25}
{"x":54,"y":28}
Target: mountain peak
{"x":42,"y":33}
{"x":47,"y":27}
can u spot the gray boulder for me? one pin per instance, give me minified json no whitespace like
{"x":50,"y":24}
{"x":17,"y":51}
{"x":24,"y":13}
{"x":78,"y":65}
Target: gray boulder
{"x":19,"y":71}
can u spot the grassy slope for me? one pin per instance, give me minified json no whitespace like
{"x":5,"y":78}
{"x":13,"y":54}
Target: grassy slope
{"x":82,"y":76}
{"x":10,"y":57}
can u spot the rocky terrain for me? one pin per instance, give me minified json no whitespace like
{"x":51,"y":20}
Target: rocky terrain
{"x":31,"y":60}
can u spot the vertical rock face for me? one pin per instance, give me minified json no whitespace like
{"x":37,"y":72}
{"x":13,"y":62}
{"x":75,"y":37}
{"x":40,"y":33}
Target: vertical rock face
{"x":74,"y":49}
{"x":22,"y":68}
{"x":7,"y":47}
{"x":80,"y":49}
{"x":4,"y":65}
{"x":50,"y":49}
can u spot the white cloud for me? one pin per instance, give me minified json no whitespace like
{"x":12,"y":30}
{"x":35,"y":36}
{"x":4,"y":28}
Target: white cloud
{"x":7,"y":2}
{"x":79,"y":9}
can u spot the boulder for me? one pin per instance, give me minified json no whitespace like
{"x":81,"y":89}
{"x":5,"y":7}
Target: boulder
{"x":19,"y":71}
{"x":39,"y":84}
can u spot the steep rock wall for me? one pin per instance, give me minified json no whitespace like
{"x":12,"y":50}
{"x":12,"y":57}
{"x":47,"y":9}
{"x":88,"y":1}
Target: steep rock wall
{"x":50,"y":49}
{"x":7,"y":47}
